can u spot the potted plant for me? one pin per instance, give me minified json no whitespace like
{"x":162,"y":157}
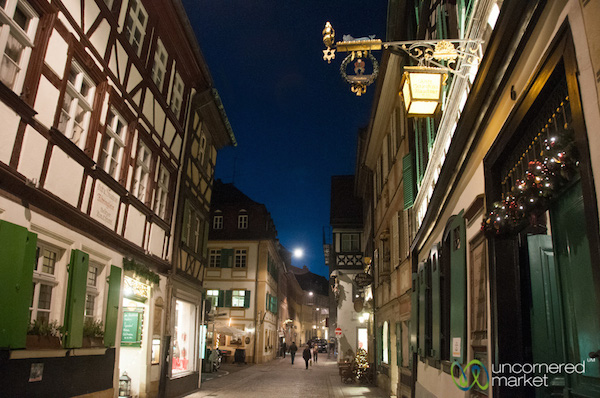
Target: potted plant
{"x":44,"y":335}
{"x":93,"y":333}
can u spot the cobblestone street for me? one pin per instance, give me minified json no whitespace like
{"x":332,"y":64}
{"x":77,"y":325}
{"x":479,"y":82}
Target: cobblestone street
{"x":279,"y":378}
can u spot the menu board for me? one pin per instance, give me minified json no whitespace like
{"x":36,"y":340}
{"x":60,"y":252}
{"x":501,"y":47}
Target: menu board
{"x":131,"y":333}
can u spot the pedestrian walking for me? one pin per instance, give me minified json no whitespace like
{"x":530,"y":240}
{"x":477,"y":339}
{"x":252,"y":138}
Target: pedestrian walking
{"x":293,"y":349}
{"x":306,"y":355}
{"x":283,"y":348}
{"x":315,"y":352}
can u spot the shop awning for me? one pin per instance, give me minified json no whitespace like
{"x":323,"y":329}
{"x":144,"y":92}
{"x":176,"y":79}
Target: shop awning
{"x":228,"y":330}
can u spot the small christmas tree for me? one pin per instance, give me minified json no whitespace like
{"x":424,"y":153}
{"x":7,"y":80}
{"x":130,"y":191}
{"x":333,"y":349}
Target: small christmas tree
{"x":361,"y":366}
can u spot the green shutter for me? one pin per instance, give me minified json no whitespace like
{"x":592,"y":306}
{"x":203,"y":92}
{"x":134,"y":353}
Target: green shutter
{"x":276,"y":305}
{"x":409,"y":181}
{"x":221,"y":299}
{"x":379,"y":344}
{"x":76,"y":294}
{"x":112,"y":306}
{"x":205,"y":250}
{"x":268,"y":302}
{"x":422,"y":311}
{"x":17,"y":260}
{"x":399,"y":344}
{"x":458,"y":290}
{"x":247,"y":299}
{"x":414,"y":315}
{"x":436,"y":309}
{"x":228,"y":295}
{"x":226,"y":258}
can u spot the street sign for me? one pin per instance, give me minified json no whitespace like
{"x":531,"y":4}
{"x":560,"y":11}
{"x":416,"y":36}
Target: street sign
{"x":338,"y":332}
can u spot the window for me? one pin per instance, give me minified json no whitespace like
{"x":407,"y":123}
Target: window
{"x":44,"y":281}
{"x":184,"y":338}
{"x":237,"y":298}
{"x":350,"y":242}
{"x":113,"y":144}
{"x":240,"y":258}
{"x":160,"y":64}
{"x":214,"y":260}
{"x":162,"y":193}
{"x":18,"y":23}
{"x":142,"y":171}
{"x":135,"y":25}
{"x":213,"y":296}
{"x":243,"y":221}
{"x":93,"y":291}
{"x":218,"y":222}
{"x":177,"y":94}
{"x":193,"y":229}
{"x":202,"y":153}
{"x":76,"y":106}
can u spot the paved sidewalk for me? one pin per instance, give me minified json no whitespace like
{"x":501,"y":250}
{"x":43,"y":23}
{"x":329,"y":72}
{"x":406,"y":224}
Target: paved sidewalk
{"x":279,"y":378}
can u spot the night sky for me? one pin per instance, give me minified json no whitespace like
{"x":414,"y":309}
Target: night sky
{"x":295,"y":119}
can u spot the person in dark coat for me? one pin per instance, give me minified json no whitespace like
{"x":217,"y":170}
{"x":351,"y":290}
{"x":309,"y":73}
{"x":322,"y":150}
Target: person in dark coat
{"x":306,"y":355}
{"x":293,"y":349}
{"x":283,"y":348}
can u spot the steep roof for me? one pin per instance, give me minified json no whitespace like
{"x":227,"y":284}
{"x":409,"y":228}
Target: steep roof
{"x":346,"y":208}
{"x":309,"y":281}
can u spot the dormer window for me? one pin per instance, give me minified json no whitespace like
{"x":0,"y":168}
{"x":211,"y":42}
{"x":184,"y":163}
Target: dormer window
{"x":242,"y":221}
{"x":218,"y":221}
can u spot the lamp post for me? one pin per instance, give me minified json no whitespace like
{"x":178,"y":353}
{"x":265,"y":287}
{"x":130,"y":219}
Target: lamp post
{"x":421,"y":87}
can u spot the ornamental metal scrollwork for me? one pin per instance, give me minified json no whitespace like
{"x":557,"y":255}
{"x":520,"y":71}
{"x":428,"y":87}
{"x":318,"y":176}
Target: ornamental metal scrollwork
{"x":359,"y":81}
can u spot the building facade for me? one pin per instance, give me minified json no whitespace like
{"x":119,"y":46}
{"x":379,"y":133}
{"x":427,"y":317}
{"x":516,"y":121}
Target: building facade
{"x":351,"y":311}
{"x":241,"y":280}
{"x":96,"y":100}
{"x":498,"y":191}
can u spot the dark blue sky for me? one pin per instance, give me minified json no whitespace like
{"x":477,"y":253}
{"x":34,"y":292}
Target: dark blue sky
{"x":294,"y":118}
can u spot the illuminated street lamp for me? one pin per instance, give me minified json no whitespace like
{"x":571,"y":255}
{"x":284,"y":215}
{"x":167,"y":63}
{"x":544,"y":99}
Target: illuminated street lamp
{"x":422,"y":90}
{"x":422,"y":85}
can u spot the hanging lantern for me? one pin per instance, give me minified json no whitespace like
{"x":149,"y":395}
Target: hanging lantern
{"x":124,"y":386}
{"x":422,"y":90}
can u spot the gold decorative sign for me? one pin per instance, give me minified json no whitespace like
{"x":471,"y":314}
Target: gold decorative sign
{"x":136,"y":289}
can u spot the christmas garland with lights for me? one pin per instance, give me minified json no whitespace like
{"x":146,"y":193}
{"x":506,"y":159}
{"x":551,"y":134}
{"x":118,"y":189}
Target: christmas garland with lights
{"x":543,"y":179}
{"x":361,"y":364}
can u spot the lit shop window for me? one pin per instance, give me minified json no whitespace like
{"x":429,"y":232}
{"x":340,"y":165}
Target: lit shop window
{"x":184,"y":349}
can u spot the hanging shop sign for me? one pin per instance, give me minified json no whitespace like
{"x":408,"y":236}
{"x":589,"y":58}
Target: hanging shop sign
{"x":363,"y":279}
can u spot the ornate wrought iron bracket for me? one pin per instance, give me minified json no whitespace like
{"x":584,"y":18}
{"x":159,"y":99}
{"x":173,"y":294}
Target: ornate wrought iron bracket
{"x":454,"y":56}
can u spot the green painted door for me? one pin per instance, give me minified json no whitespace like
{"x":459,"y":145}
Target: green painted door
{"x":580,"y":304}
{"x":545,"y":311}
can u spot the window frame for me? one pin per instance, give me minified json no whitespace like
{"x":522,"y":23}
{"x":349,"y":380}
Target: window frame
{"x":238,"y":296}
{"x":214,"y":258}
{"x":243,"y":221}
{"x":347,"y":242}
{"x":218,"y":221}
{"x":112,"y":138}
{"x":142,"y":172}
{"x":177,"y":94}
{"x":241,"y":258}
{"x":159,"y":66}
{"x":132,"y":22}
{"x":49,"y":279}
{"x":24,"y":37}
{"x":162,"y":191}
{"x":77,"y":101}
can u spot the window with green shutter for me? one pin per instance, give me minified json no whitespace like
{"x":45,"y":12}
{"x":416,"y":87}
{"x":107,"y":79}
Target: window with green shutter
{"x":227,"y":258}
{"x":227,"y":298}
{"x":247,"y":299}
{"x":458,"y":290}
{"x":398,"y":344}
{"x":408,"y":181}
{"x":75,"y":302}
{"x":414,"y":316}
{"x":435,"y":302}
{"x":17,"y":259}
{"x":112,"y":306}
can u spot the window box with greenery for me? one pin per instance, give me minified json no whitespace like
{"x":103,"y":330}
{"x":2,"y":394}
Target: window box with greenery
{"x":44,"y":335}
{"x":93,"y":333}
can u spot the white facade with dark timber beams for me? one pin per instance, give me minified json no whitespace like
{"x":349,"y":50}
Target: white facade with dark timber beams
{"x":96,"y":108}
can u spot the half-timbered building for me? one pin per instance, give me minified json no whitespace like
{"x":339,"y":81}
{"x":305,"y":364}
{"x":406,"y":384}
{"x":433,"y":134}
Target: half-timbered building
{"x":100,"y":100}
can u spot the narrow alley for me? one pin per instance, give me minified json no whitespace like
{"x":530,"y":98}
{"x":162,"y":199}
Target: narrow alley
{"x":279,"y":378}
